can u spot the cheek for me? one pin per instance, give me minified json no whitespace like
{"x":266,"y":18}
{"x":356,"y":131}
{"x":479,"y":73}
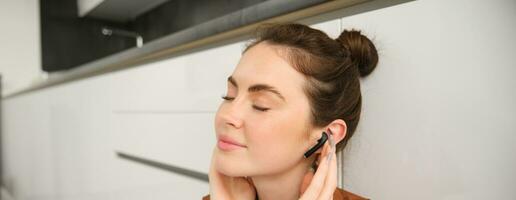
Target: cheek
{"x":276,"y":141}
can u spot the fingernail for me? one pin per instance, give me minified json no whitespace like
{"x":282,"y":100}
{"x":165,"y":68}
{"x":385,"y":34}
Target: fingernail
{"x":332,"y":142}
{"x":329,"y":155}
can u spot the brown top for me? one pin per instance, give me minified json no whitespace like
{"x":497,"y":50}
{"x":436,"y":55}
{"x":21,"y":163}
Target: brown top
{"x":339,"y":194}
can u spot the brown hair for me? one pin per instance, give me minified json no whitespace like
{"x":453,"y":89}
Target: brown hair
{"x":332,"y":68}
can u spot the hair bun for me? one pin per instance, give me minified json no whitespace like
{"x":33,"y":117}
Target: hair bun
{"x":362,"y":51}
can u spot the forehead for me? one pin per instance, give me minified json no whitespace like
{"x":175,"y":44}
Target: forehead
{"x":264,"y":63}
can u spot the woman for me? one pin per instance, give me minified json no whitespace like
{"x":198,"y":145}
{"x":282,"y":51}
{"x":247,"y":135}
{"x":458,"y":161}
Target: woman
{"x":291,"y":84}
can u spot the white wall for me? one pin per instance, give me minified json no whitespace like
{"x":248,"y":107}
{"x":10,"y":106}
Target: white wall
{"x":438,"y":116}
{"x":20,"y":51}
{"x":440,"y":112}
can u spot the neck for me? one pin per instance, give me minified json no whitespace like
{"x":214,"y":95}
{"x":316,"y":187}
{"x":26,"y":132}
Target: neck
{"x":285,"y":185}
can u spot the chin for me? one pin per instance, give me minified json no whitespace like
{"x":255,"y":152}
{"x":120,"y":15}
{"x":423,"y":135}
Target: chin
{"x":232,"y":167}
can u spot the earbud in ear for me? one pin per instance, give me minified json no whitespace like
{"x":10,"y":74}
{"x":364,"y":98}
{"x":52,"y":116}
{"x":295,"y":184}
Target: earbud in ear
{"x":319,"y":144}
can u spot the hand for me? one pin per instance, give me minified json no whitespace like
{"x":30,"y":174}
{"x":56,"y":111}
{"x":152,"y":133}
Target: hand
{"x":322,"y":185}
{"x":224,"y":187}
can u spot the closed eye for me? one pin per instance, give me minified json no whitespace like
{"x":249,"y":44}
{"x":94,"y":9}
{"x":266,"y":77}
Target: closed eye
{"x":227,"y":98}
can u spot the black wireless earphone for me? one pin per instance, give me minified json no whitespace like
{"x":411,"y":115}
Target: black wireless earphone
{"x":319,"y":144}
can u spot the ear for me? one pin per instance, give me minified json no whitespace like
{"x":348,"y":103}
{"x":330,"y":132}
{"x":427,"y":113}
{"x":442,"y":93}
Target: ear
{"x":338,"y":129}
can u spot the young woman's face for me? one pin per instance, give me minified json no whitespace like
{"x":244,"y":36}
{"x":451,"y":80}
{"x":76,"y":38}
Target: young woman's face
{"x":266,"y":112}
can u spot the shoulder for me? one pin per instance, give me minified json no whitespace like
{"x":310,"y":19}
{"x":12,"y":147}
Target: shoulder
{"x":339,"y":194}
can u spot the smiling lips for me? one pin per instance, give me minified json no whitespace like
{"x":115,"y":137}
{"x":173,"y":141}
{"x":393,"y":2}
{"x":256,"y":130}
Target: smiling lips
{"x":226,"y":144}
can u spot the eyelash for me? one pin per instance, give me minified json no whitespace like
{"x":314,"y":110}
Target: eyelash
{"x":226,"y":98}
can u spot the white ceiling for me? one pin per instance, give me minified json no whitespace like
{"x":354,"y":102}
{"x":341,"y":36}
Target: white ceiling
{"x":116,"y":10}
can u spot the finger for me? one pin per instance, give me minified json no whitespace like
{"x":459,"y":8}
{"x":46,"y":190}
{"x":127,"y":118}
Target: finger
{"x":217,"y":181}
{"x":306,"y":181}
{"x":212,"y":175}
{"x":330,"y":182}
{"x":250,"y":181}
{"x":317,"y":183}
{"x":323,"y":154}
{"x":213,"y":171}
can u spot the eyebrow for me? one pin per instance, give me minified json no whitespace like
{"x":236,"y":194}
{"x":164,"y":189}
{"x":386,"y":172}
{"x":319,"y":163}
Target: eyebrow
{"x":258,"y":88}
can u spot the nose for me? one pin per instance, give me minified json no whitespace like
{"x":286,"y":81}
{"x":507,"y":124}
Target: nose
{"x":231,"y":114}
